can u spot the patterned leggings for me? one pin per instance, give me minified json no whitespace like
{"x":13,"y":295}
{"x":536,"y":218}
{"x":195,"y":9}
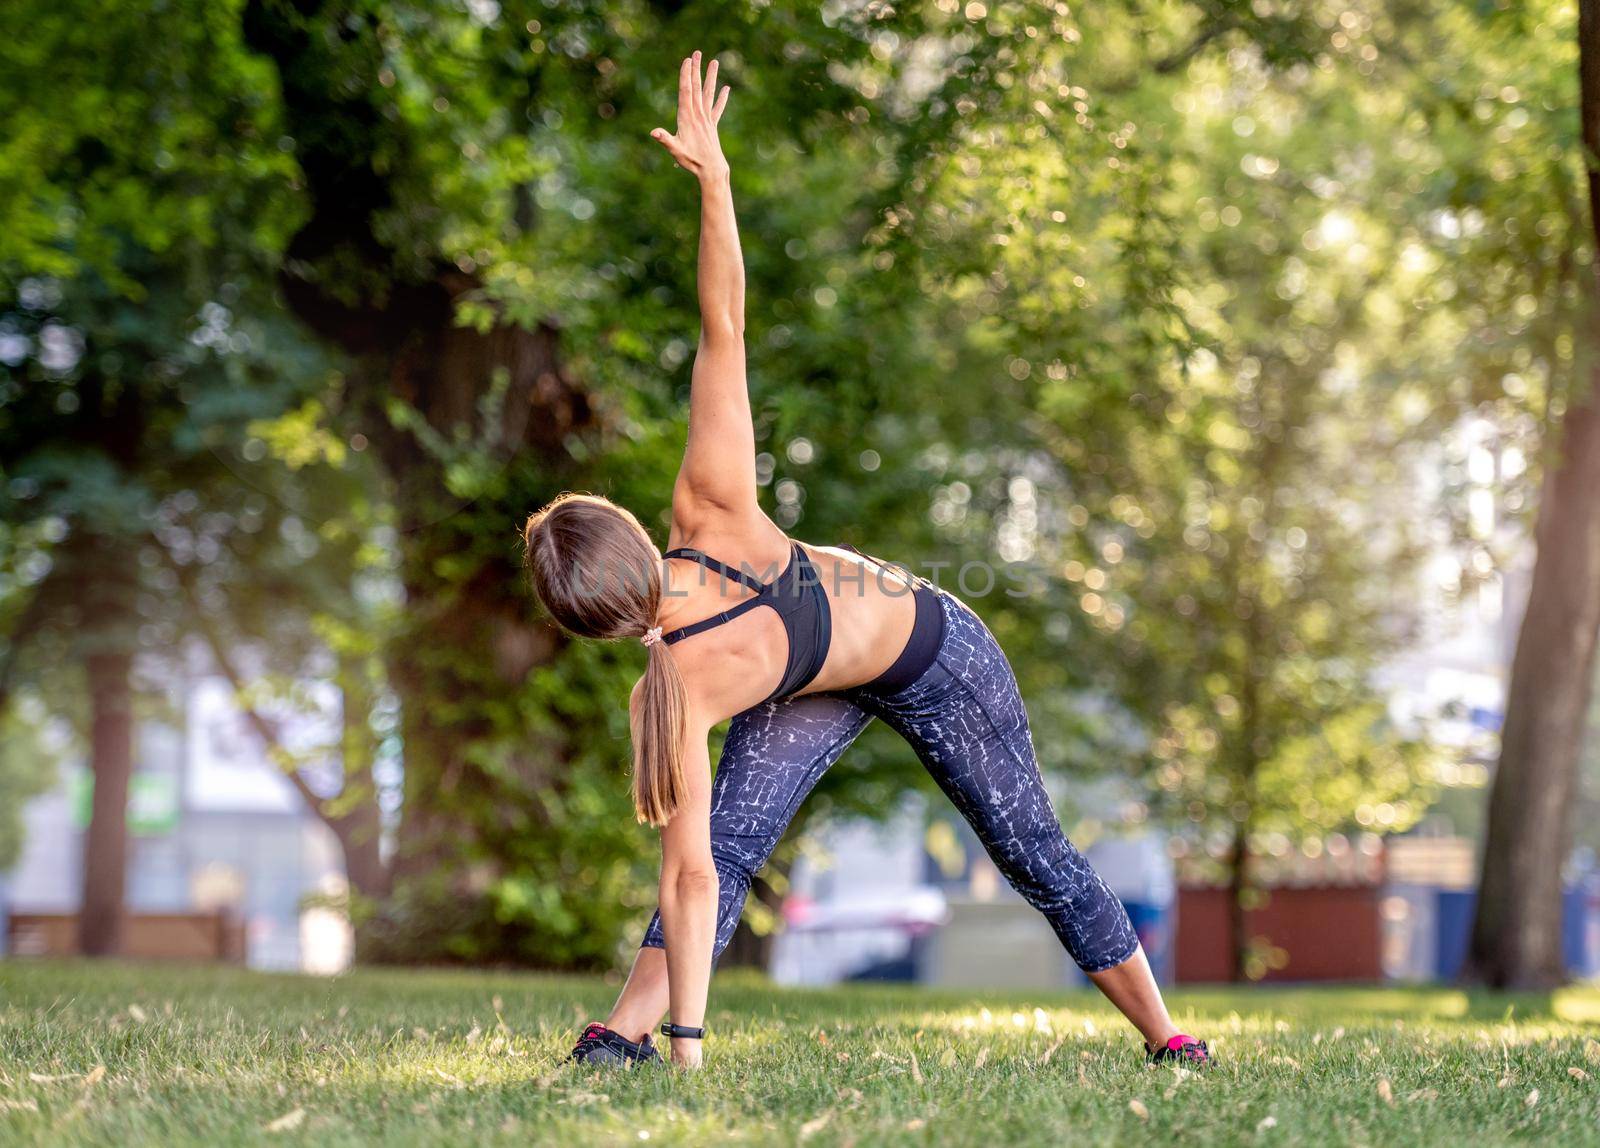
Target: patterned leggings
{"x":965,"y":719}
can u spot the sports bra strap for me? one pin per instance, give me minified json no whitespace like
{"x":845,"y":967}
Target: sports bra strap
{"x":712,"y":564}
{"x":705,"y":624}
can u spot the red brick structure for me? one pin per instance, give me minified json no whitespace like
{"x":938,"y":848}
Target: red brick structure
{"x":1327,"y":933}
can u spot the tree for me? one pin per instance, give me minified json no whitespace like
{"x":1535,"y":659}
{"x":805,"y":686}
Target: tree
{"x":28,"y":761}
{"x":90,"y":454}
{"x":546,"y":326}
{"x":1516,"y":935}
{"x":27,"y":764}
{"x":1208,"y":363}
{"x":439,"y":158}
{"x":96,"y":423}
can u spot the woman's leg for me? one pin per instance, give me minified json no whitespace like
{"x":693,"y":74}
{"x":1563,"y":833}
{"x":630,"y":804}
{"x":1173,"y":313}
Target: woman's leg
{"x":1132,"y":988}
{"x":773,"y":756}
{"x":966,"y":720}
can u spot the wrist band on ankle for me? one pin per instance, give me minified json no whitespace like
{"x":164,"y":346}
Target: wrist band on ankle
{"x":682,"y":1030}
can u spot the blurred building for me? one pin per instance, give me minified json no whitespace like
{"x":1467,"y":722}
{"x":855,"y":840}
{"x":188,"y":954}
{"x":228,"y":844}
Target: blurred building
{"x":213,"y":826}
{"x":1449,"y":680}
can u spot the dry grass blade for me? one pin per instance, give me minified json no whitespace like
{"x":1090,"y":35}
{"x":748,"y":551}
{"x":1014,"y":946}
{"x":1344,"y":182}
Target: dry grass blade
{"x":1386,"y":1092}
{"x":916,"y":1069}
{"x":983,"y":1059}
{"x":815,"y":1124}
{"x":1138,"y":1109}
{"x":1051,"y":1051}
{"x":288,"y":1122}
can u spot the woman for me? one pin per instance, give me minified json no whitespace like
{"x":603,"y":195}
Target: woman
{"x":801,"y":646}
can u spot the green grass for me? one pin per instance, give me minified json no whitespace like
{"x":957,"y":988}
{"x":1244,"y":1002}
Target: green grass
{"x":140,"y":1055}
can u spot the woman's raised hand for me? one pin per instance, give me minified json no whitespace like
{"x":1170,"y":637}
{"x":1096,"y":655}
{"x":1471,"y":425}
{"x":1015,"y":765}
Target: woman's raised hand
{"x":695,"y":146}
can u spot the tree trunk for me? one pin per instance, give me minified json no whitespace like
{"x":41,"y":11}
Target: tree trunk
{"x":1238,"y":893}
{"x":359,"y":825}
{"x":105,"y":860}
{"x":1516,"y":936}
{"x":468,"y":632}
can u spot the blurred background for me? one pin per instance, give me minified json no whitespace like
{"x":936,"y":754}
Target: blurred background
{"x":1256,"y":340}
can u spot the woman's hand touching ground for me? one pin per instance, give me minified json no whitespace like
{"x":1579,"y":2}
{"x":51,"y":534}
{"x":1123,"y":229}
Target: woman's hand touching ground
{"x":695,"y":146}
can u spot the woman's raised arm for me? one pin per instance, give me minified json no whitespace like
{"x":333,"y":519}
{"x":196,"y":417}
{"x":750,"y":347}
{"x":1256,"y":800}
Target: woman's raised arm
{"x":718,"y":475}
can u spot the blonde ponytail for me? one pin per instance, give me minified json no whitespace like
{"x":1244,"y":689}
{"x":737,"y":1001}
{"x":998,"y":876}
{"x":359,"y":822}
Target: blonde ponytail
{"x":597,"y":572}
{"x":660,"y":722}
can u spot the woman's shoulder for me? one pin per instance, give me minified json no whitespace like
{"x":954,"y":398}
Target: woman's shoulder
{"x":735,"y":541}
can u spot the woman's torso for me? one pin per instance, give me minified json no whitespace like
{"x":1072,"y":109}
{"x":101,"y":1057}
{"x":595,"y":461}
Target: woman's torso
{"x":730,"y":667}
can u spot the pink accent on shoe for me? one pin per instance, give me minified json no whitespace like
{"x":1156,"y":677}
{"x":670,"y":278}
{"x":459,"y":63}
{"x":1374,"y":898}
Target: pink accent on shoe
{"x":1176,"y":1043}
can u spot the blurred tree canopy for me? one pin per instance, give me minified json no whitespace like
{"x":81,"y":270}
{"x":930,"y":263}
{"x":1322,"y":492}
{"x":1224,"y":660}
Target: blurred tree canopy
{"x":304,"y":306}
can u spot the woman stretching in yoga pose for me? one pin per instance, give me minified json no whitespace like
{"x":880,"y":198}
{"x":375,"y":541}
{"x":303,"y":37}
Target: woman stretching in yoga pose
{"x":801,"y":646}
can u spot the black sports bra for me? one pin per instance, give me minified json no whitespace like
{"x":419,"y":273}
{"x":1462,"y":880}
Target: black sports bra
{"x":800,"y":600}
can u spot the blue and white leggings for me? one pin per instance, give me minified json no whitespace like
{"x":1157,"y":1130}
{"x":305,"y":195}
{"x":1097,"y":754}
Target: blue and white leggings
{"x":965,"y":719}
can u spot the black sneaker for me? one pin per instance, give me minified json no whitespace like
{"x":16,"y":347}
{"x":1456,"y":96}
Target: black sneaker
{"x":601,"y":1047}
{"x":1185,"y":1051}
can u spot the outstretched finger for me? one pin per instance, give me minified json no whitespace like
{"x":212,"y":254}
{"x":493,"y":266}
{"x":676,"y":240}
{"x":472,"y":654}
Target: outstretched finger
{"x":686,"y":89}
{"x":722,"y":102}
{"x":708,"y":90}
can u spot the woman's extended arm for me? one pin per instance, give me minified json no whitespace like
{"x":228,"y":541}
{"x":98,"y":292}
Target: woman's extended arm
{"x":718,"y":472}
{"x":689,"y":898}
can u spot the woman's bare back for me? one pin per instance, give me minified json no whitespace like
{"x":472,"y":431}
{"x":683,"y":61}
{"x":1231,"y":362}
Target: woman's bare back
{"x":734,"y":666}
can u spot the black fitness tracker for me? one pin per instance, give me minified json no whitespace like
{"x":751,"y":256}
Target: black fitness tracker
{"x":682,"y":1030}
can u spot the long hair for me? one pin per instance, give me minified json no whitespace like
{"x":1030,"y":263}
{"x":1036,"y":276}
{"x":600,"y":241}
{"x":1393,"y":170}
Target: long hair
{"x":596,"y":571}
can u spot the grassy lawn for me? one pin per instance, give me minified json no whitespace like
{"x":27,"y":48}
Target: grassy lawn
{"x":128,"y":1055}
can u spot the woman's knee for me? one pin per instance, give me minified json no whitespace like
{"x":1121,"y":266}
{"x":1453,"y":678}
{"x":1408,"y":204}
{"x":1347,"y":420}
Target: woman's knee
{"x":741,"y":855}
{"x":1048,"y":871}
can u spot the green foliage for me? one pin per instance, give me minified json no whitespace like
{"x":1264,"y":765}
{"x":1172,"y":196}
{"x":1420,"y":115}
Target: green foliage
{"x":1245,"y":634}
{"x":134,"y":128}
{"x":29,"y":759}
